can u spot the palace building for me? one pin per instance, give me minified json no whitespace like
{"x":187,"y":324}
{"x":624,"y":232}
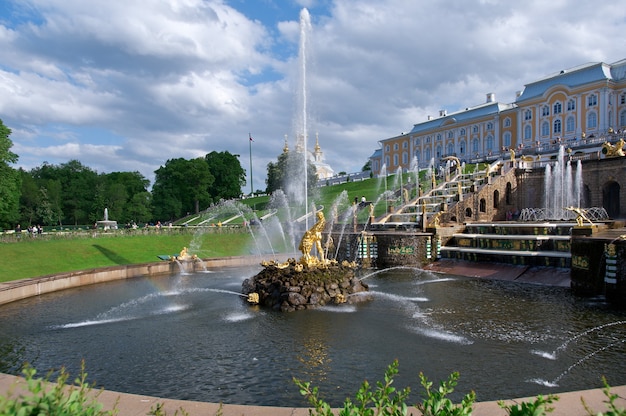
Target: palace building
{"x":569,"y":108}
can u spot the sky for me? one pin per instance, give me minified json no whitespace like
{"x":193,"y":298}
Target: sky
{"x":127,"y":85}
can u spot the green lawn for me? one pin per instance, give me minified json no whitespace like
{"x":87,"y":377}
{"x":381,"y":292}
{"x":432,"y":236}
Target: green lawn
{"x":37,"y":257}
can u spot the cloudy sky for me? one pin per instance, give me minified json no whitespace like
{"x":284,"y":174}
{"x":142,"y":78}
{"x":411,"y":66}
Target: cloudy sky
{"x":127,"y":85}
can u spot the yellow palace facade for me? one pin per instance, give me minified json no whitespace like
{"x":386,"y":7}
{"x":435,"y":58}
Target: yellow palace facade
{"x":572,"y":107}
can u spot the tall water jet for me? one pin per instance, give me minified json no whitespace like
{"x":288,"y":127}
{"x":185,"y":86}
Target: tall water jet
{"x":297,"y":186}
{"x":562,"y":188}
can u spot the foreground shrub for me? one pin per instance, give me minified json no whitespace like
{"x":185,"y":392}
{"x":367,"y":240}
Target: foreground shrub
{"x":388,"y":401}
{"x":54,"y":399}
{"x":539,"y":407}
{"x":610,"y":403}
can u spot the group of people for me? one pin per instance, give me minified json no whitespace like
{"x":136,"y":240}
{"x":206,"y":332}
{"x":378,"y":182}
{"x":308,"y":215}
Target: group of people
{"x":33,"y":230}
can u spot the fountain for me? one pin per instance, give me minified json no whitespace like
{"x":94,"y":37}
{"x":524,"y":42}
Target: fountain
{"x":560,"y":191}
{"x":106,"y":223}
{"x":311,"y":282}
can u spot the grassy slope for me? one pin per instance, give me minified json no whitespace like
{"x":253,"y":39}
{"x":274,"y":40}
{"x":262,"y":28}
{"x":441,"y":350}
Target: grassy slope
{"x":37,"y":257}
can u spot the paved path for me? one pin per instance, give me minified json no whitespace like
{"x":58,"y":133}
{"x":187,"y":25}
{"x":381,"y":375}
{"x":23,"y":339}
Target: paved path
{"x":527,"y":274}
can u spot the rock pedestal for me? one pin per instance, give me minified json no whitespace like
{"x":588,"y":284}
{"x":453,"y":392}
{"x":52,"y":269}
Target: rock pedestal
{"x":292,"y":287}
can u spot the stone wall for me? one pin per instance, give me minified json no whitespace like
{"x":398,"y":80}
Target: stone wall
{"x":21,"y":289}
{"x":600,"y":176}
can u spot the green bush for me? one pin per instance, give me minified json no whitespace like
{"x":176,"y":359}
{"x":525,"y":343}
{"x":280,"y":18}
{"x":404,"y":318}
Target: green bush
{"x":610,"y":403}
{"x":57,"y":399}
{"x":539,"y":407}
{"x":436,"y":402}
{"x":388,"y":401}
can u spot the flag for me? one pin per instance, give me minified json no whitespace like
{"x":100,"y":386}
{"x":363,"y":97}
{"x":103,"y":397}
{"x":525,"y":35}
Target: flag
{"x":250,"y":137}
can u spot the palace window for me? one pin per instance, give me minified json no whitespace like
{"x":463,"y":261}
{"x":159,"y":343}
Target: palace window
{"x":489,"y":143}
{"x":490,"y":126}
{"x":395,"y":160}
{"x":570,"y":124}
{"x":528,"y":115}
{"x":545,"y":128}
{"x":592,"y":120}
{"x":417,"y":155}
{"x":462,"y":145}
{"x":507,"y":139}
{"x":450,"y":148}
{"x":622,"y":119}
{"x":405,"y":158}
{"x":428,"y":139}
{"x":507,"y":122}
{"x":395,"y":146}
{"x":557,"y":127}
{"x":545,"y":111}
{"x":387,"y":148}
{"x":450,"y":135}
{"x":557,"y":108}
{"x":622,"y":99}
{"x":417,"y":142}
{"x":592,"y":100}
{"x":462,"y":133}
{"x":571,"y":105}
{"x":438,"y":155}
{"x":528,"y":132}
{"x":438,"y":137}
{"x":405,"y":145}
{"x":475,"y":145}
{"x":475,"y":129}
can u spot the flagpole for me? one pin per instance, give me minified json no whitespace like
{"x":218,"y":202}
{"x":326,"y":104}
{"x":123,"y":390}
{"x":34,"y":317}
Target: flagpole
{"x":251,"y":181}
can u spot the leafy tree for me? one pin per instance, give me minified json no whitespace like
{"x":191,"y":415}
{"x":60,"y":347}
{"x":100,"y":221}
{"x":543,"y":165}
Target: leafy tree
{"x":287,"y":171}
{"x":228,"y":173}
{"x":139,"y":207}
{"x":115,"y":192}
{"x":45,"y":211}
{"x":367,"y":166}
{"x":29,"y":198}
{"x":181,"y":186}
{"x":10,"y":180}
{"x":77,"y":190}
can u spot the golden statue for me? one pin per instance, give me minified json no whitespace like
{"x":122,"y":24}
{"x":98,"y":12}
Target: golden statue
{"x":436,"y":220}
{"x":580,"y":215}
{"x":610,"y":150}
{"x":313,"y":238}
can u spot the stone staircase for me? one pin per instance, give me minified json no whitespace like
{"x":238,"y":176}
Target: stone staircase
{"x":546,"y":244}
{"x":422,"y":211}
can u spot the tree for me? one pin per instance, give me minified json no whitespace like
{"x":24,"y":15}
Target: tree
{"x":228,"y":173}
{"x":288,"y":174}
{"x":181,"y":186}
{"x":10,"y":181}
{"x":367,"y":166}
{"x":118,"y":194}
{"x":72,"y":189}
{"x":29,"y":199}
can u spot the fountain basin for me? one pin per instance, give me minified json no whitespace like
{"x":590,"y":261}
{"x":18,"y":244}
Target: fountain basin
{"x":206,"y":343}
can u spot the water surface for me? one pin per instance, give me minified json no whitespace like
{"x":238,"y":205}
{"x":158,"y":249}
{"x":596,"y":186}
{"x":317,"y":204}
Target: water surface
{"x":193,"y":337}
